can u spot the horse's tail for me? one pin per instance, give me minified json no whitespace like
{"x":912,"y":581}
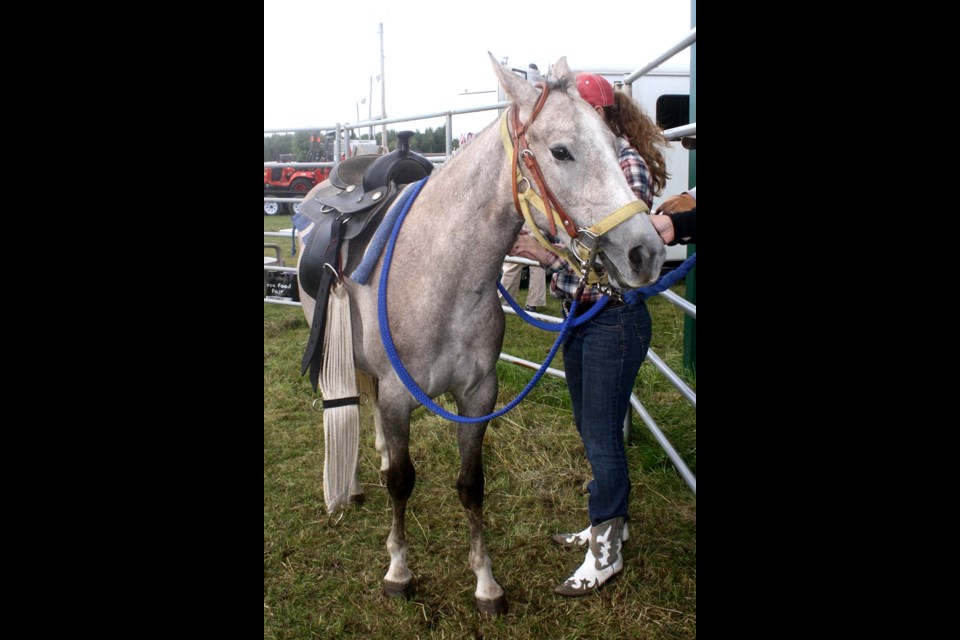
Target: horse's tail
{"x":341,"y":411}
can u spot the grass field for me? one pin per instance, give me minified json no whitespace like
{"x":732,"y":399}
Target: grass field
{"x":324,"y":579}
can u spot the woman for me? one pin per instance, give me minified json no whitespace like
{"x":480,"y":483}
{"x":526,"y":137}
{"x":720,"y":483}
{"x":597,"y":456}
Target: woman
{"x":602,"y":357}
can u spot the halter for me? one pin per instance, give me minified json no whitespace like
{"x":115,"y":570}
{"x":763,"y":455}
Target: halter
{"x":584,"y":242}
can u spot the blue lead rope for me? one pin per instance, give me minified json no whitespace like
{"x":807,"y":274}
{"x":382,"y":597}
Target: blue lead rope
{"x":664,"y":283}
{"x":631,"y":297}
{"x":363,"y":271}
{"x":401,"y":370}
{"x":554,"y":326}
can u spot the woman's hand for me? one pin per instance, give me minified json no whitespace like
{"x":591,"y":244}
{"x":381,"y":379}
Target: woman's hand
{"x":675,"y":204}
{"x":664,"y":226}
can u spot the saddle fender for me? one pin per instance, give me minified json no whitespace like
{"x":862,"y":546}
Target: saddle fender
{"x":360,"y":192}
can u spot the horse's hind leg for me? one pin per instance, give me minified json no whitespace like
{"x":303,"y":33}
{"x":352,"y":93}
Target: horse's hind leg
{"x":379,"y":442}
{"x":491,"y":600}
{"x":401,"y":478}
{"x":367,"y":387}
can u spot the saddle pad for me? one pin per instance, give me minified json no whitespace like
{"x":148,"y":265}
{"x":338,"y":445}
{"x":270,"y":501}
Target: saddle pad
{"x":375,"y":247}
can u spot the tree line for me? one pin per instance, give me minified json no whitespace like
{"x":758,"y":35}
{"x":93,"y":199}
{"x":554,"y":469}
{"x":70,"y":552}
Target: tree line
{"x":430,"y":141}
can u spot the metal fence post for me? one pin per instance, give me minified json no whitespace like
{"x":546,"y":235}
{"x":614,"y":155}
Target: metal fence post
{"x":690,"y":324}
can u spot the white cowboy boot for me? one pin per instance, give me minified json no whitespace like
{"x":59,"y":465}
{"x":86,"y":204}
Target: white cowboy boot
{"x":603,"y":560}
{"x":582,"y":538}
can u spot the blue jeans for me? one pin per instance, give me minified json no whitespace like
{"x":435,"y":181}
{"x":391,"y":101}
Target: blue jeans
{"x":601,"y":360}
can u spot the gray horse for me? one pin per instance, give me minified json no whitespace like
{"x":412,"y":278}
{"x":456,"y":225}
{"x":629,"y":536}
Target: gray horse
{"x":442,"y":304}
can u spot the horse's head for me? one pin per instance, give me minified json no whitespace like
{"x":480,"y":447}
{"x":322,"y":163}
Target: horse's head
{"x":577,"y":156}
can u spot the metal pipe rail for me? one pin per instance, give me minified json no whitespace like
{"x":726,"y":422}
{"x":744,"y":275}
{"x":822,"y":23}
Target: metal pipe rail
{"x":661,"y":439}
{"x":277,"y":248}
{"x":271,"y":164}
{"x":688,"y":307}
{"x":674,"y":379}
{"x":655,"y":360}
{"x":437,"y":159}
{"x":517,"y":260}
{"x":688,"y":40}
{"x":281,"y":199}
{"x":681,"y":132}
{"x":368,"y":123}
{"x":426,"y":116}
{"x":289,"y":303}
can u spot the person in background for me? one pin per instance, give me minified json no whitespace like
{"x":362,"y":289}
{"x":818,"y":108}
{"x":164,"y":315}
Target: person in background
{"x":536,"y":286}
{"x":601,"y":358}
{"x":533,"y":73}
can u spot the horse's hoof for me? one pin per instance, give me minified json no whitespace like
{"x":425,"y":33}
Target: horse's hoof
{"x":492,"y":608}
{"x":398,"y":590}
{"x":360,"y":498}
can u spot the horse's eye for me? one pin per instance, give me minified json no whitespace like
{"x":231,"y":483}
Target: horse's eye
{"x":561,"y":153}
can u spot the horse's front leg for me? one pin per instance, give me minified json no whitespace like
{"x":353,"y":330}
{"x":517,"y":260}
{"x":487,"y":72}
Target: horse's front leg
{"x":491,"y":599}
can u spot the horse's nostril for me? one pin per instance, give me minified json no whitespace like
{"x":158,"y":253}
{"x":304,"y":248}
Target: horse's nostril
{"x":636,"y":257}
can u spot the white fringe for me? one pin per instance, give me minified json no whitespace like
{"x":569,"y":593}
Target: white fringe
{"x":341,"y":425}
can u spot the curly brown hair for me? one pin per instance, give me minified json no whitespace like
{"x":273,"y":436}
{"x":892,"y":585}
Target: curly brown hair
{"x":627,"y":119}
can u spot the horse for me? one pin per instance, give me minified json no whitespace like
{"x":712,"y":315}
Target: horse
{"x":442,"y":304}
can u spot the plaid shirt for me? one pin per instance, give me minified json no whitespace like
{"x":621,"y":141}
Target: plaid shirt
{"x":565,"y":282}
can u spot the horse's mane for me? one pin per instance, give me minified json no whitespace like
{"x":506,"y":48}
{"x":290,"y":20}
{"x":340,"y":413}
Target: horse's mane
{"x":561,"y":84}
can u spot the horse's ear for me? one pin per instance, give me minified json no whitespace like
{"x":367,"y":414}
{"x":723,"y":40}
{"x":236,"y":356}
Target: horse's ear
{"x":561,"y":68}
{"x":517,"y":89}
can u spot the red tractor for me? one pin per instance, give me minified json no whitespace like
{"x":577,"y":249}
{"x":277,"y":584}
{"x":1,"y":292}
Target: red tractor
{"x":291,"y":182}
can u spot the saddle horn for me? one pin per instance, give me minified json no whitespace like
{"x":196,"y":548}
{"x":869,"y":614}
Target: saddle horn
{"x":401,"y":166}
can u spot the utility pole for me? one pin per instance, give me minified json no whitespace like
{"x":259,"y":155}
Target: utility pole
{"x":370,"y":107}
{"x":383,"y":94}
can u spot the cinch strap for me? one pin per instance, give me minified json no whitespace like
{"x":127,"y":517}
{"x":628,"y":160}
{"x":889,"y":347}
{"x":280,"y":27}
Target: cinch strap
{"x":341,"y":402}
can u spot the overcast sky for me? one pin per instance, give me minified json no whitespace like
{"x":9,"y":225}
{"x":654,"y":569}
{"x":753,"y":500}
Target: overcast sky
{"x":319,"y":55}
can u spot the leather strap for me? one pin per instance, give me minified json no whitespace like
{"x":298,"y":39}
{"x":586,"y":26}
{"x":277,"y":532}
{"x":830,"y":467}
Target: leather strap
{"x":522,"y":149}
{"x":341,"y":402}
{"x":313,"y":356}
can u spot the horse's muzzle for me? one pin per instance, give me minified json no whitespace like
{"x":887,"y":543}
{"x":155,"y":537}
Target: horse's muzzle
{"x":645,"y":263}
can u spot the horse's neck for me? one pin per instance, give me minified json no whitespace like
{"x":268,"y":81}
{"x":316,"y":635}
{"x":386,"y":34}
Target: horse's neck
{"x":468,"y":206}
